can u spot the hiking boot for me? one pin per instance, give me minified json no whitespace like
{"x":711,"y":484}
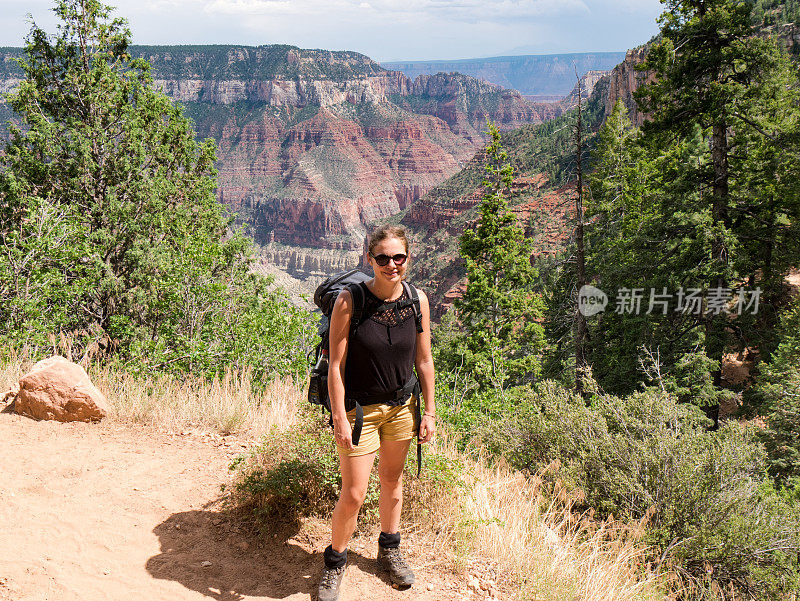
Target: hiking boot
{"x":393,"y":562}
{"x":329,"y":583}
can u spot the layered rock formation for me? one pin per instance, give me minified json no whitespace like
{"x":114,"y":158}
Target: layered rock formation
{"x":316,"y":183}
{"x":319,"y":148}
{"x":315,"y":144}
{"x":585,"y":86}
{"x":623,"y":81}
{"x":309,"y":264}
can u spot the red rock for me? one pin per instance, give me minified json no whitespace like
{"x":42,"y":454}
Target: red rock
{"x":58,"y":389}
{"x":624,"y":80}
{"x":377,"y":143}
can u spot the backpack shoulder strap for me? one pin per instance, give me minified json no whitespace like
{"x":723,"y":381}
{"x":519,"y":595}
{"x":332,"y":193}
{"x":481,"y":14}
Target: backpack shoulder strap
{"x":359,"y":298}
{"x":414,"y":296}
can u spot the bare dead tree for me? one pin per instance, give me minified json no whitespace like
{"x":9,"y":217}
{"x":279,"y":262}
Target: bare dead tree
{"x":580,"y":320}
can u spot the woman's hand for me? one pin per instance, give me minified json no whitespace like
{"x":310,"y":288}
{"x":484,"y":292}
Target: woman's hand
{"x":424,"y":364}
{"x":427,"y":428}
{"x":343,"y":433}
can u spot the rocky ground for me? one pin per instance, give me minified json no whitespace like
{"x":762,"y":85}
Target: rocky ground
{"x":117,"y":512}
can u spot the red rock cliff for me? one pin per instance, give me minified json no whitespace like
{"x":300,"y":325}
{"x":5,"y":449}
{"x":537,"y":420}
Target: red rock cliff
{"x":313,"y":145}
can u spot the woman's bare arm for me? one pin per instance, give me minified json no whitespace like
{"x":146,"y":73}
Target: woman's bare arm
{"x":424,"y":364}
{"x":338,"y":334}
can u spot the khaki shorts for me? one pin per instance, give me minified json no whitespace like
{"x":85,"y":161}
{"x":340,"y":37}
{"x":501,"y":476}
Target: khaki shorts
{"x":383,"y":422}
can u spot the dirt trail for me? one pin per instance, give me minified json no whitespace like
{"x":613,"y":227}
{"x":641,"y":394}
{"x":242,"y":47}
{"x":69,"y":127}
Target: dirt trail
{"x":119,"y":513}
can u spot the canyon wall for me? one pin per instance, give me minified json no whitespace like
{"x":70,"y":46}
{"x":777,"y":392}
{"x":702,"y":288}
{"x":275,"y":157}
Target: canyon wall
{"x":623,"y":81}
{"x":315,"y":144}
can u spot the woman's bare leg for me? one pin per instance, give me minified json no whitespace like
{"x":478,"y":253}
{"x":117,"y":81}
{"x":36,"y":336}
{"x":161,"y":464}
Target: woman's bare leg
{"x":355,"y":478}
{"x":390,"y":469}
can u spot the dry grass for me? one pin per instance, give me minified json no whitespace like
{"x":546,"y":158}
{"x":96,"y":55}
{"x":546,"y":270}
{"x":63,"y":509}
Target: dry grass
{"x":533,"y":539}
{"x":225,"y":406}
{"x":478,"y":514}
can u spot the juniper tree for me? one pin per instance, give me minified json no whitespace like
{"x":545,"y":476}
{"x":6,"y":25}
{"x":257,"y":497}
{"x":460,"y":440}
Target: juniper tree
{"x":109,"y":223}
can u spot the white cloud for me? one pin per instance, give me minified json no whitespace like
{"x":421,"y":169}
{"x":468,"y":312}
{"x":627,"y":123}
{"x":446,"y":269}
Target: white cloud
{"x":253,"y":7}
{"x":461,"y":10}
{"x":382,"y":29}
{"x":648,"y":7}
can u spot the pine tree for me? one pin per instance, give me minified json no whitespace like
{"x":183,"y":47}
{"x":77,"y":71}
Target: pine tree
{"x":499,"y":311}
{"x":719,"y":217}
{"x":777,"y":396}
{"x":582,"y":365}
{"x":698,"y":80}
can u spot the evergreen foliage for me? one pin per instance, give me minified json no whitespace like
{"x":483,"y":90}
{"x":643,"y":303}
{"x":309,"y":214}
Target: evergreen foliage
{"x":777,"y":397}
{"x":237,"y":62}
{"x":716,"y":77}
{"x":704,"y":196}
{"x":109,"y":225}
{"x":499,"y":311}
{"x":768,"y":13}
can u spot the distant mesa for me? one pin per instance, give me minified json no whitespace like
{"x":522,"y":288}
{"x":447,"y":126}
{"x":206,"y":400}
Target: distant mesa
{"x":538,"y":77}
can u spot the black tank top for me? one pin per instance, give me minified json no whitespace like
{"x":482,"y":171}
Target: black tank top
{"x":381,"y":352}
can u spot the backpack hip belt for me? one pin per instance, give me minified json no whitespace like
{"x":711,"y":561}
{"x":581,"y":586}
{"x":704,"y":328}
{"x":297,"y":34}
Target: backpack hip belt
{"x":409,"y":388}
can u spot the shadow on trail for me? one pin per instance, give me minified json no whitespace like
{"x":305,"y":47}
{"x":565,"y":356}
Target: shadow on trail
{"x":215,"y":554}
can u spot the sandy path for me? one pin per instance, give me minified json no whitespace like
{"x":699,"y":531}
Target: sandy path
{"x":119,"y":513}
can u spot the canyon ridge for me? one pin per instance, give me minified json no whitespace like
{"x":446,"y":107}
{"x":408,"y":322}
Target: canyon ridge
{"x":313,"y":145}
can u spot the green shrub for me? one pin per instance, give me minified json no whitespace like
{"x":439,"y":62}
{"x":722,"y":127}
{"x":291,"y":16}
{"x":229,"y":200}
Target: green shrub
{"x":719,"y":513}
{"x":776,"y":397}
{"x":710,"y":505}
{"x":295,"y":473}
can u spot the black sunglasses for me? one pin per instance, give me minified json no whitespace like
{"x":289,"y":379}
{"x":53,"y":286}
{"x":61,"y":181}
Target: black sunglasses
{"x":383,"y":260}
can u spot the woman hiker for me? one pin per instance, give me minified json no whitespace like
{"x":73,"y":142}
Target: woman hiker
{"x":373,"y":364}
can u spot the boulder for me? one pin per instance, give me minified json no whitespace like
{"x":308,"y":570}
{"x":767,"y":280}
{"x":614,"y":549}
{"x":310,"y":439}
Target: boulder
{"x":60,"y":390}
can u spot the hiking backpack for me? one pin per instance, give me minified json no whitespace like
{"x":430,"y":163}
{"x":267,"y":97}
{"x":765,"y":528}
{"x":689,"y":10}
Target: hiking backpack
{"x":325,"y":297}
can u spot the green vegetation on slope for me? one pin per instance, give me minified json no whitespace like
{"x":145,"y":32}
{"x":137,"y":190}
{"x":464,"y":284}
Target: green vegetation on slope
{"x":546,"y":148}
{"x":234,"y":62}
{"x":542,"y":148}
{"x":111,"y":231}
{"x":255,"y":62}
{"x":114,"y":241}
{"x":767,"y":13}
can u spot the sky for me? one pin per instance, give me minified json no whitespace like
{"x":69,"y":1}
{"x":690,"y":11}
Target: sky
{"x":385,"y":30}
